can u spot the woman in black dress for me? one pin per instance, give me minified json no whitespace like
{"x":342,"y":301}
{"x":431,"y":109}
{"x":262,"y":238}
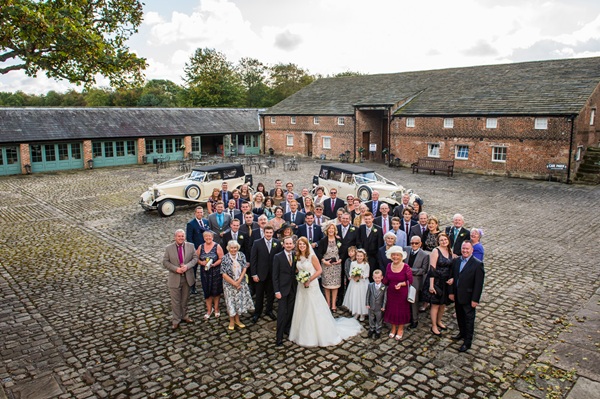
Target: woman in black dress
{"x":436,"y":286}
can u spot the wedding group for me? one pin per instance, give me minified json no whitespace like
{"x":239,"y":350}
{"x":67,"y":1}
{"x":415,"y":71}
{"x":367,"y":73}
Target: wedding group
{"x":315,"y":254}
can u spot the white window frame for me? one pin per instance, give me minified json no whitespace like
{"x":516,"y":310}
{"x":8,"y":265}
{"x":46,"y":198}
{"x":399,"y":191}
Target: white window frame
{"x":289,"y":140}
{"x":578,"y":153}
{"x":316,"y":120}
{"x":292,"y":120}
{"x":272,"y":120}
{"x":431,"y":153}
{"x":491,"y":123}
{"x":541,"y":123}
{"x":496,"y":152}
{"x":410,"y":122}
{"x":456,"y":151}
{"x":328,"y":140}
{"x":448,"y":123}
{"x":592,"y":116}
{"x":341,"y":120}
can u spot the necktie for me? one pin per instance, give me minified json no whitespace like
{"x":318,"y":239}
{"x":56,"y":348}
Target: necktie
{"x":180,"y":253}
{"x":344,"y":231}
{"x":310,"y":233}
{"x":220,"y":219}
{"x":318,"y":221}
{"x":269,"y":246}
{"x":463,"y":262}
{"x":374,"y":207}
{"x":406,"y":227}
{"x":234,"y":236}
{"x":249,"y":230}
{"x":332,"y":205}
{"x":368,"y":231}
{"x":201,"y":223}
{"x":290,"y":258}
{"x":384,"y":220}
{"x":423,"y":230}
{"x":225,"y":199}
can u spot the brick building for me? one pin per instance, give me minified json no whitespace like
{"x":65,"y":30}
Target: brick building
{"x":48,"y":139}
{"x":511,"y":119}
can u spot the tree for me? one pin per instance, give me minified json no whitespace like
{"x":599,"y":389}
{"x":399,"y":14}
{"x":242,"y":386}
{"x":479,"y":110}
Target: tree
{"x":254,"y":78}
{"x":288,"y":79}
{"x":160,"y":93}
{"x":212,"y":81}
{"x":95,"y":97}
{"x":73,"y":40}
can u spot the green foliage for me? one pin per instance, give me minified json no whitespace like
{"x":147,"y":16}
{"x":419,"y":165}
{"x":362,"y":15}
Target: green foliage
{"x":74,"y":40}
{"x":288,"y":79}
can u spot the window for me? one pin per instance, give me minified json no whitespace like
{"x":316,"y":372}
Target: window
{"x":159,"y":146}
{"x":341,"y":120}
{"x":410,"y":122}
{"x":130,"y":147}
{"x":76,"y":151}
{"x":578,"y":153}
{"x":169,"y":146}
{"x":290,"y":140}
{"x":592,"y":116}
{"x":12,"y":156}
{"x":178,"y":144}
{"x":498,"y":154}
{"x":149,"y":146}
{"x":491,"y":123}
{"x":462,"y":152}
{"x":63,"y":152}
{"x":196,"y":144}
{"x":96,"y":149}
{"x":36,"y":153}
{"x":448,"y":123}
{"x":120,"y":148}
{"x":293,"y":120}
{"x":50,"y":152}
{"x":316,"y":120}
{"x":541,"y":123}
{"x":433,"y":150}
{"x":327,"y":143}
{"x":109,"y":150}
{"x":272,"y":120}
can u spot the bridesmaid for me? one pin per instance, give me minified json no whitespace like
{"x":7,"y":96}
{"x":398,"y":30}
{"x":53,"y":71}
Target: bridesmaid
{"x":397,"y":278}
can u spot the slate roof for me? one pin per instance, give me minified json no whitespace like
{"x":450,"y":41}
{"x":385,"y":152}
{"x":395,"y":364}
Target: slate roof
{"x":559,"y":87}
{"x":50,"y":124}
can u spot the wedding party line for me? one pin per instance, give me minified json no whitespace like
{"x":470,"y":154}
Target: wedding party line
{"x":315,"y":254}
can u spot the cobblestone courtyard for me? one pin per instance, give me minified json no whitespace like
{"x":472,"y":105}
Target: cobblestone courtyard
{"x":85,"y":309}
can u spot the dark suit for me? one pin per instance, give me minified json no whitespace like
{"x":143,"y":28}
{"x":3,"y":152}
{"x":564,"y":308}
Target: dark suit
{"x":370,"y":244}
{"x":379,"y":222}
{"x":236,"y":214}
{"x":467,"y":287}
{"x":419,"y":264}
{"x":399,"y":209}
{"x":348,"y":241}
{"x":456,"y":242}
{"x":416,"y":231}
{"x":317,"y":234}
{"x":374,"y":209}
{"x":284,"y":282}
{"x":261,"y":261}
{"x":298,"y":219}
{"x":193,"y":234}
{"x":242,"y":239}
{"x":225,"y":197}
{"x":327,"y":207}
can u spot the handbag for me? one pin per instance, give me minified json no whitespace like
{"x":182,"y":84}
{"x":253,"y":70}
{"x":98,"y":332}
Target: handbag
{"x":412,"y":294}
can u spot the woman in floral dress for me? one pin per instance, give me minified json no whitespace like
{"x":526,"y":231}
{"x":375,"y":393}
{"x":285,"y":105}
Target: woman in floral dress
{"x":331,"y":263}
{"x":237,"y":294}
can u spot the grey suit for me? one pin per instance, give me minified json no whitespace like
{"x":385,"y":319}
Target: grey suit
{"x":179,"y":284}
{"x":376,"y":300}
{"x":419,"y":267}
{"x":214,"y":225}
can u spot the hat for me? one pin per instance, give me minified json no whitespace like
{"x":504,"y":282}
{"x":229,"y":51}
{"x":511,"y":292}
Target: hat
{"x":395,"y":250}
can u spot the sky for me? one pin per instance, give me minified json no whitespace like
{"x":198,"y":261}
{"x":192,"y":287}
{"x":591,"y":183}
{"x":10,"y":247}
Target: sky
{"x":332,"y":36}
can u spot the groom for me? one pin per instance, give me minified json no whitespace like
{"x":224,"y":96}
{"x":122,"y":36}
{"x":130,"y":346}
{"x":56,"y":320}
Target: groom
{"x":284,"y":285}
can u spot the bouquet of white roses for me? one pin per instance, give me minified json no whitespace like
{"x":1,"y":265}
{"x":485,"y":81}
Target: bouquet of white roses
{"x":356,"y":273}
{"x":208,"y":264}
{"x":302,"y":276}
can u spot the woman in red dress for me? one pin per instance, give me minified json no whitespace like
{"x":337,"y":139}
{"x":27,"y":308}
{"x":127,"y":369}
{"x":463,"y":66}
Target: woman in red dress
{"x":398,"y":277}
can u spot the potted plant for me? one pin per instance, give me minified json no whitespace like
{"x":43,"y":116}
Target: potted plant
{"x":361,"y":150}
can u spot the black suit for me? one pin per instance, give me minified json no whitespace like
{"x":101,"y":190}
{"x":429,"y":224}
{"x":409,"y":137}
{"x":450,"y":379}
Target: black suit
{"x":225,"y":197}
{"x":242,"y":239}
{"x":298,"y":219}
{"x":327,"y":207}
{"x":374,"y":209}
{"x":284,"y":282}
{"x":348,"y":241}
{"x":456,"y":242}
{"x":416,"y":231}
{"x":399,"y":209}
{"x":193,"y":234}
{"x":370,"y":244}
{"x":379,"y":222}
{"x":317,"y":234}
{"x":260,"y":265}
{"x":467,"y":287}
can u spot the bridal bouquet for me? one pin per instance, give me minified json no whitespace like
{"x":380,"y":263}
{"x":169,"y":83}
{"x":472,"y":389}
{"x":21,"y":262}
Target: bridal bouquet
{"x":356,"y":273}
{"x":302,"y":276}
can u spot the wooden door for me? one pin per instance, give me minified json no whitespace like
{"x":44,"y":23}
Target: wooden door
{"x":365,"y":144}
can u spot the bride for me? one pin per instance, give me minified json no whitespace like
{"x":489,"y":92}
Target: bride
{"x":312,"y":322}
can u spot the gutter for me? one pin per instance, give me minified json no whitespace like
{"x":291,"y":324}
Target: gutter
{"x":355,"y":123}
{"x":572,"y":118}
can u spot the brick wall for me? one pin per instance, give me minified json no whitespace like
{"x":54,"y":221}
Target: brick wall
{"x":141,"y":147}
{"x":370,"y":122}
{"x":87,"y":153}
{"x":25,"y":157}
{"x":341,"y":136}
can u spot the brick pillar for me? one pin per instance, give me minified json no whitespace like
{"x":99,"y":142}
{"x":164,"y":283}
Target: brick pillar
{"x":141,"y":145}
{"x":87,"y":153}
{"x":187,"y":142}
{"x":25,"y":157}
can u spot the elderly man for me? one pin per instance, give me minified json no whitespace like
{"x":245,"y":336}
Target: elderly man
{"x":418,"y":260}
{"x":370,"y":238}
{"x":405,"y":204}
{"x":385,"y":220}
{"x":374,"y":204}
{"x":179,"y":259}
{"x":457,"y":234}
{"x":319,"y":217}
{"x":467,"y":285}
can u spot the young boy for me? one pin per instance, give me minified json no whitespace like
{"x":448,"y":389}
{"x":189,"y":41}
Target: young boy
{"x":376,"y":301}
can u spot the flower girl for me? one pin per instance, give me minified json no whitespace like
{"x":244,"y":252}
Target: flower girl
{"x":355,"y":296}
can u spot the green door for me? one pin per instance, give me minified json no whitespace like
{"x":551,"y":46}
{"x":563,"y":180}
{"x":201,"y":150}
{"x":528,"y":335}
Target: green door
{"x":113,"y":153}
{"x":10,"y":163}
{"x":51,"y":157}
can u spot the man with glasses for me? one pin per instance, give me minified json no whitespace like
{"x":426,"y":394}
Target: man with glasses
{"x":418,"y":260}
{"x":332,"y":204}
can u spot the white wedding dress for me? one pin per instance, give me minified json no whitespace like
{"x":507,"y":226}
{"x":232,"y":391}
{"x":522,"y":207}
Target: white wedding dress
{"x":312,"y":323}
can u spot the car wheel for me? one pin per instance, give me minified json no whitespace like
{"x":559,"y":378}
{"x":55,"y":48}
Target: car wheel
{"x":166,"y":208}
{"x":364,"y":193}
{"x":192,"y":192}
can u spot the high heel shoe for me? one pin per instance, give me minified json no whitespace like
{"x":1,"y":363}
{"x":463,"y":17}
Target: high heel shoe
{"x":442,"y":328}
{"x":434,"y":333}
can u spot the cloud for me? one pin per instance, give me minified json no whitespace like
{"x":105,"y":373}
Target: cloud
{"x":287,"y":40}
{"x":482,"y":48}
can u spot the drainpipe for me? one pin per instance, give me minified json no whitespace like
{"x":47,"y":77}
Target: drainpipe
{"x":572,"y":118}
{"x":355,"y":123}
{"x":389,"y":136}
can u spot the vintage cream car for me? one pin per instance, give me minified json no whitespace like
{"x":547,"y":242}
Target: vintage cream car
{"x":360,"y":182}
{"x":193,"y":188}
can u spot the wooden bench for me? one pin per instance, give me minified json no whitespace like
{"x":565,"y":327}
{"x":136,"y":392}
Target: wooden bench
{"x":433,"y":165}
